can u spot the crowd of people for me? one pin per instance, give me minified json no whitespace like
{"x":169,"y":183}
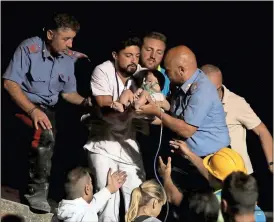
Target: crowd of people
{"x":205,"y":170}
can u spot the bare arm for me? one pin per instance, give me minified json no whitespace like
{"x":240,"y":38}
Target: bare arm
{"x":182,"y":149}
{"x":18,"y":95}
{"x":26,"y":105}
{"x":266,"y":141}
{"x":178,"y":126}
{"x":174,"y":196}
{"x":73,"y":98}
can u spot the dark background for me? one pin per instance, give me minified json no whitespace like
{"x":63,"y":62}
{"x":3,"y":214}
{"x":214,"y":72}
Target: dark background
{"x":236,"y":36}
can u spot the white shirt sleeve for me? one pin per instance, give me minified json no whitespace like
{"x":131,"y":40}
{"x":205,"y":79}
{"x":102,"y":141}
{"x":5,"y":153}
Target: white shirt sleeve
{"x":99,"y":83}
{"x":100,"y":199}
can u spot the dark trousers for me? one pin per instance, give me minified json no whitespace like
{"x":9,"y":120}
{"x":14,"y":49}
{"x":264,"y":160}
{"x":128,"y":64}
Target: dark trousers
{"x":40,"y":152}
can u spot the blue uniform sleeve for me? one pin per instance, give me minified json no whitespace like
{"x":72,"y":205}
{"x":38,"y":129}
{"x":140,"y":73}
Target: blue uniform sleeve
{"x":199,"y":104}
{"x":18,"y":66}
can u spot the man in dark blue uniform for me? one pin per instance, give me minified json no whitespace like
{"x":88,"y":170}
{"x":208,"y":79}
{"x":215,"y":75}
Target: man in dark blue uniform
{"x":41,"y":69}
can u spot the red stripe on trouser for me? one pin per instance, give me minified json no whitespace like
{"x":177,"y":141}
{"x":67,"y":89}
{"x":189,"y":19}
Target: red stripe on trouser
{"x":37,"y":133}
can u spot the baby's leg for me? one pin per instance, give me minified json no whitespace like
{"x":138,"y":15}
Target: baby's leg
{"x":142,"y":99}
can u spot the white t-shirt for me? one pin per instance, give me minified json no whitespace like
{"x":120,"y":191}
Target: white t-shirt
{"x":78,"y":210}
{"x":111,"y":136}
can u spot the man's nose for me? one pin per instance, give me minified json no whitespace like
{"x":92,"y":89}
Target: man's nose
{"x":69,"y":44}
{"x":152,"y":54}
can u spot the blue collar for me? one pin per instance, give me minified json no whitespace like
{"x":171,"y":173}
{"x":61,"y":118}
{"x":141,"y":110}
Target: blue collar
{"x":188,"y":83}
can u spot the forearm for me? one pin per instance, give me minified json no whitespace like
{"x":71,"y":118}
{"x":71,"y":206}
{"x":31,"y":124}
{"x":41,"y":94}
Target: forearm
{"x":266,"y":140}
{"x":174,"y":196}
{"x":178,"y":126}
{"x":18,"y":95}
{"x":267,"y":145}
{"x":73,"y":98}
{"x":198,"y":163}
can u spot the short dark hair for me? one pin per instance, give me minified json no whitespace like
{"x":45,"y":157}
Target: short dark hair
{"x":126,"y":41}
{"x":156,"y":35}
{"x":62,"y":21}
{"x":73,"y":188}
{"x":203,"y":206}
{"x":240,"y":192}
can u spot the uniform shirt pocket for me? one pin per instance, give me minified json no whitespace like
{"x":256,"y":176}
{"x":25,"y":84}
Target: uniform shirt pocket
{"x":62,"y":80}
{"x":38,"y":82}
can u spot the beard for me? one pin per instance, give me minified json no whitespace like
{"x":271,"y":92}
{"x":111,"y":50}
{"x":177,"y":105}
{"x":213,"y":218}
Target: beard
{"x":129,"y":70}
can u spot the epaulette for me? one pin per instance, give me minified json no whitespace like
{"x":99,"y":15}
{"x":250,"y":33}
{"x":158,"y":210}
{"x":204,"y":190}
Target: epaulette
{"x":34,"y":48}
{"x":76,"y":55}
{"x":193,"y":87}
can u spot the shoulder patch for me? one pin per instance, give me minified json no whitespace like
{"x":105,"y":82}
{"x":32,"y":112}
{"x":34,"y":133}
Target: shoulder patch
{"x":75,"y":54}
{"x":34,"y":48}
{"x":194,"y":87}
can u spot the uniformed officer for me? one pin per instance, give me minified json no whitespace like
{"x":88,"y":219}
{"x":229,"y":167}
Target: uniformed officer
{"x":40,"y":70}
{"x":197,"y":116}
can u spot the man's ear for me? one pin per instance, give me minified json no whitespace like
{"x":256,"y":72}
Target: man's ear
{"x":224,"y":205}
{"x":87,"y":189}
{"x":50,"y":34}
{"x":181,"y":70}
{"x":114,"y":55}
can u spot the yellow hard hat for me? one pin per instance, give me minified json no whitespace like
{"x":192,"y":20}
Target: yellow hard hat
{"x":224,"y":162}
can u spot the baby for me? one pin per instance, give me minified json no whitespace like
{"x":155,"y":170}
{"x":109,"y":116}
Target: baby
{"x":148,"y":83}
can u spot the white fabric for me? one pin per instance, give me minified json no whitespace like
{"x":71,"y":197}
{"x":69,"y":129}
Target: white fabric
{"x":100,"y":165}
{"x":78,"y":210}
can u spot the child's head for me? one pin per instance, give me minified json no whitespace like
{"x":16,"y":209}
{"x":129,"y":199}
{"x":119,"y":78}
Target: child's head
{"x":154,"y":77}
{"x":203,"y":206}
{"x":79,"y":184}
{"x":221,"y":164}
{"x":149,"y":196}
{"x":239,"y":194}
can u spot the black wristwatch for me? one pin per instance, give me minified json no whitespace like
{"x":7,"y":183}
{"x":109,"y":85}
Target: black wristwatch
{"x":270,"y":163}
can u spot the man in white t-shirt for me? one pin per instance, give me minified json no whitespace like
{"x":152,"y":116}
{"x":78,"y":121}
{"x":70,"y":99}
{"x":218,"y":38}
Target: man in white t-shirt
{"x":112,"y":141}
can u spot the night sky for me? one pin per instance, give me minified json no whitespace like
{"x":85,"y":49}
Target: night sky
{"x":236,"y":36}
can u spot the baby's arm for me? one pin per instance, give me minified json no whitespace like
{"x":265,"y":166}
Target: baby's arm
{"x":127,"y":97}
{"x":141,"y":100}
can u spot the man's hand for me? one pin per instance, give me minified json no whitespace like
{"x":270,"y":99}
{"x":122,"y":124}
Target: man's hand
{"x":164,"y":169}
{"x":271,"y":168}
{"x":115,"y":180}
{"x":87,"y":102}
{"x":117,"y":107}
{"x":38,"y":116}
{"x":150,"y":109}
{"x":180,"y":147}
